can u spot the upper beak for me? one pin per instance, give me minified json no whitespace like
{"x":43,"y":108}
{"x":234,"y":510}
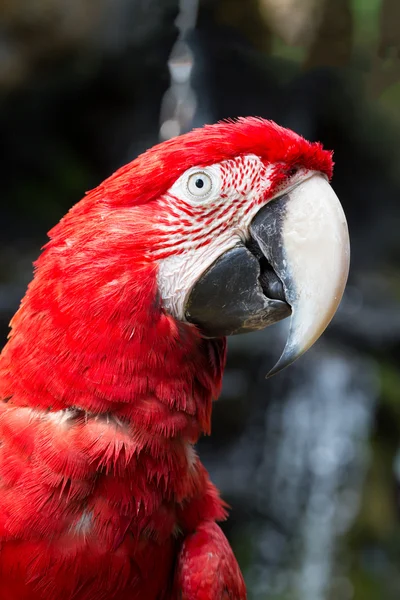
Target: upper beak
{"x":296,"y":262}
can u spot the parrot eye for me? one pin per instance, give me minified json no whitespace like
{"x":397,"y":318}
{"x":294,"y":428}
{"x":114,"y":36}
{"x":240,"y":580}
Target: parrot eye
{"x":199,"y":184}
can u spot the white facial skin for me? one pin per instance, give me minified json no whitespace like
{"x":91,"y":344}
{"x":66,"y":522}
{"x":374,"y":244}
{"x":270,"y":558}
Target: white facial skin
{"x":216,"y":214}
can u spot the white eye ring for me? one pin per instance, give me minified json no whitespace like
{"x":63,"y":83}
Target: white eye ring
{"x":199,"y":184}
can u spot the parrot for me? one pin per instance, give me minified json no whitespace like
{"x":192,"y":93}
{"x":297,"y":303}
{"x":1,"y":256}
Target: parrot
{"x":118,"y":348}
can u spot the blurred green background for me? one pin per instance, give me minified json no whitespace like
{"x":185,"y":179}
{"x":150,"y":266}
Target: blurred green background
{"x":310,"y":460}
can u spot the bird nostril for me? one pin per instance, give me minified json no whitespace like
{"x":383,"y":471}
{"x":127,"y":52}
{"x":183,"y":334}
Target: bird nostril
{"x":291,"y":172}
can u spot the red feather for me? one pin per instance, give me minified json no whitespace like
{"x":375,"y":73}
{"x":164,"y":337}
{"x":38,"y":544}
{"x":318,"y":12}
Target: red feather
{"x":103,"y":500}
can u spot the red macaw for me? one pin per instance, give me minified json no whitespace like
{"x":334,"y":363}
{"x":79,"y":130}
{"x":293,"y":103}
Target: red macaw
{"x":117,"y":352}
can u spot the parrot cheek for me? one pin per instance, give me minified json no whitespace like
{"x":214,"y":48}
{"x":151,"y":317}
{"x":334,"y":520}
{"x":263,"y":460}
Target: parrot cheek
{"x":295,"y":262}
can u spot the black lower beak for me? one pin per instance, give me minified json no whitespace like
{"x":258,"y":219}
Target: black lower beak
{"x":240,"y":292}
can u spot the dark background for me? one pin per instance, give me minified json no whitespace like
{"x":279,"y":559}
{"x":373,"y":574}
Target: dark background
{"x":309,"y":460}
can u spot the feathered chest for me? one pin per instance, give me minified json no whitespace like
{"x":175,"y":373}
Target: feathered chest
{"x":92,"y":492}
{"x":90,"y":475}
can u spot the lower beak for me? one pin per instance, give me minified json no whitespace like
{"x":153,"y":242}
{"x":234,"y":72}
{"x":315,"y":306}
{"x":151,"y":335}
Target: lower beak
{"x":296,"y":262}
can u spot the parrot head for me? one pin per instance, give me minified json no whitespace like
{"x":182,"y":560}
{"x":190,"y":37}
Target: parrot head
{"x":257,"y":232}
{"x":226,"y":229}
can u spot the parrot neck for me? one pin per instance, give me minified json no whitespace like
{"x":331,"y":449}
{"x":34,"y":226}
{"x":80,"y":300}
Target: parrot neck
{"x":110,"y":349}
{"x":104,"y":395}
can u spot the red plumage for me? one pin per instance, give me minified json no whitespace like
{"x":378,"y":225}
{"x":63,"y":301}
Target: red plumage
{"x":103,"y":394}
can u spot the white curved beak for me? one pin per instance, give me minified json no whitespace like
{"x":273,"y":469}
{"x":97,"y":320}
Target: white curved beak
{"x":312,"y":260}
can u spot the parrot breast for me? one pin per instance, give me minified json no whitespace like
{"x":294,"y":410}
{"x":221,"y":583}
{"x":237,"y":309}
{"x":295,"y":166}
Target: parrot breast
{"x":91,"y":507}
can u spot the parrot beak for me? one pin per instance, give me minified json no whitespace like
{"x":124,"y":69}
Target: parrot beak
{"x":296,"y":262}
{"x":306,"y":241}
